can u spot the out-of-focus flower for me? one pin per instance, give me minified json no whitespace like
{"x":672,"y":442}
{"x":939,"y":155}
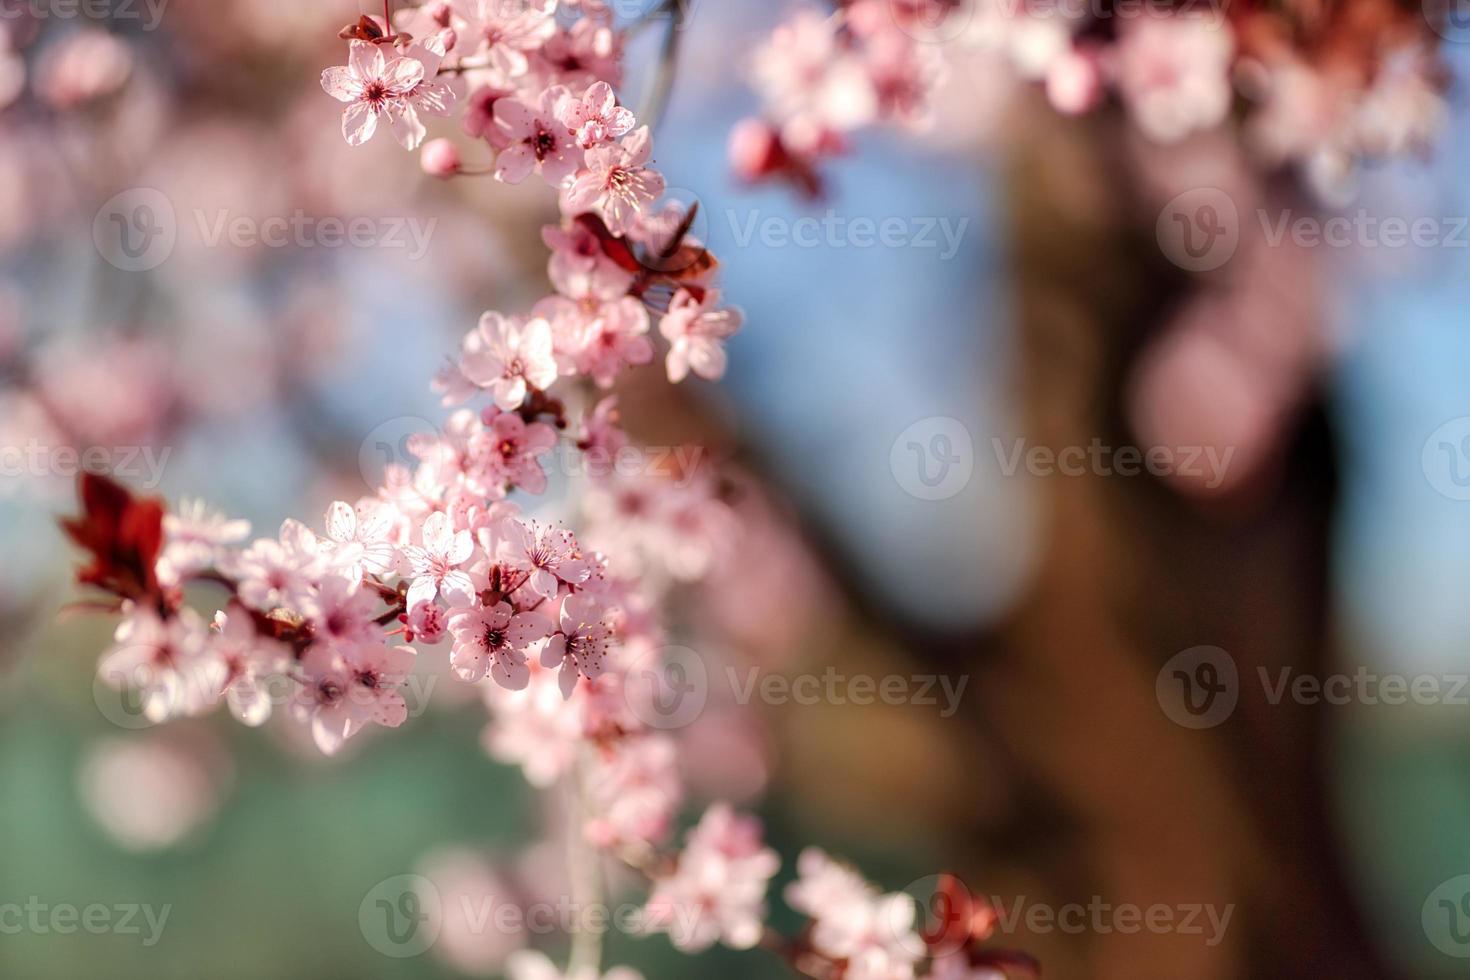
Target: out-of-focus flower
{"x":151,"y":791}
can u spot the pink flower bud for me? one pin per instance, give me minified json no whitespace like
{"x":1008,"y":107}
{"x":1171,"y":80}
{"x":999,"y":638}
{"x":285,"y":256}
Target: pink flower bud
{"x":755,"y":149}
{"x":1074,"y":83}
{"x":441,"y":158}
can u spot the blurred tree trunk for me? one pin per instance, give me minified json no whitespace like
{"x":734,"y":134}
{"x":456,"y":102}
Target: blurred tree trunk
{"x":1118,"y":801}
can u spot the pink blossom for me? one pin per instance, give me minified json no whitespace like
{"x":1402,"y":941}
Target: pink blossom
{"x":598,"y":339}
{"x":956,"y":966}
{"x":634,"y":791}
{"x":426,"y":622}
{"x":360,"y":545}
{"x":596,"y":117}
{"x":1173,"y":72}
{"x":578,"y":267}
{"x":196,"y":538}
{"x":248,"y":660}
{"x":579,"y":645}
{"x":718,"y":891}
{"x":436,"y":565}
{"x":512,"y":356}
{"x":506,"y":453}
{"x":279,"y":572}
{"x":503,"y":32}
{"x":534,"y":727}
{"x":493,"y":640}
{"x":440,"y":158}
{"x":549,"y":554}
{"x":601,"y":438}
{"x":340,"y":610}
{"x":347,"y":688}
{"x":694,"y":330}
{"x":534,"y":140}
{"x":853,"y":921}
{"x":164,"y":662}
{"x":374,"y":85}
{"x":617,"y":183}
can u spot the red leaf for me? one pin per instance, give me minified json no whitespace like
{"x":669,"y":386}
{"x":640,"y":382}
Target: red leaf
{"x":123,"y":535}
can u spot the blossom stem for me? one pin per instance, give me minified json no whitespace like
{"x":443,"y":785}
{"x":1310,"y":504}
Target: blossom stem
{"x":662,"y":87}
{"x":388,"y":18}
{"x":584,"y":864}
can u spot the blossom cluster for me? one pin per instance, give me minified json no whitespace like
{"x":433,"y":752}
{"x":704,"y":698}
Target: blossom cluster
{"x":329,"y":622}
{"x":1309,"y":88}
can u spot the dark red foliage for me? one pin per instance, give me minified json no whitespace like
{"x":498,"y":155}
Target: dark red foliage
{"x":123,"y":535}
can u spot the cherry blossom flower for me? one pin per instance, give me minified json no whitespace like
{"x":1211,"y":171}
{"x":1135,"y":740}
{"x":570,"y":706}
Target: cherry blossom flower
{"x":534,"y":727}
{"x":617,"y":183}
{"x":579,"y":645}
{"x":596,"y":117}
{"x":694,"y":330}
{"x":506,"y":453}
{"x":718,"y":891}
{"x":436,"y":565}
{"x":503,"y":32}
{"x":426,"y":622}
{"x":340,"y":610}
{"x":578,"y":266}
{"x":374,"y":85}
{"x":196,"y":538}
{"x":852,"y":921}
{"x":279,"y":572}
{"x":163,"y":662}
{"x":512,"y":356}
{"x":956,"y":966}
{"x":1174,"y":73}
{"x":248,"y":660}
{"x":493,"y":640}
{"x":596,"y":339}
{"x":634,"y":791}
{"x":360,"y":545}
{"x":549,"y":554}
{"x":350,"y":687}
{"x":535,"y":140}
